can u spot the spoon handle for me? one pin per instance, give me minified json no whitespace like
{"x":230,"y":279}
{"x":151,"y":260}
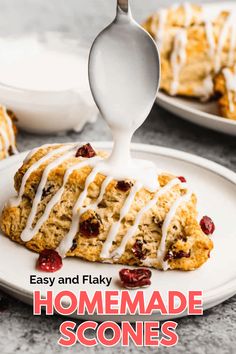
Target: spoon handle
{"x":123,"y":5}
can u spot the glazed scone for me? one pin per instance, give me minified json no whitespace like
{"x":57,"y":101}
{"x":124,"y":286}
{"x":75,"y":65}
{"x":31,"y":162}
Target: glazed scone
{"x":193,"y":46}
{"x":64,"y":203}
{"x":225,"y":90}
{"x":7,"y":133}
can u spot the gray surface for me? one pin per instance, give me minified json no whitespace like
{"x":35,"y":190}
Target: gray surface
{"x":20,"y":332}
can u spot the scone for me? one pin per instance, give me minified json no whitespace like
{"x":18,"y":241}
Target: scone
{"x":64,"y":203}
{"x":225,"y":89}
{"x":7,"y":133}
{"x":194,"y":46}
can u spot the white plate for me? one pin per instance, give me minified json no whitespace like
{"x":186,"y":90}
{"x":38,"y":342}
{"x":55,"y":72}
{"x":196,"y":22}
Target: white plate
{"x":216,"y":190}
{"x":204,"y":114}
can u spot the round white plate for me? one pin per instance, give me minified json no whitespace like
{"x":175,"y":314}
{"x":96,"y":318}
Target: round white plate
{"x":216,"y":190}
{"x":203,"y":114}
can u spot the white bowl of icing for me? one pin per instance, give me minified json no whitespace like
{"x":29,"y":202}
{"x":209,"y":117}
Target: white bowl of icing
{"x":45,"y":82}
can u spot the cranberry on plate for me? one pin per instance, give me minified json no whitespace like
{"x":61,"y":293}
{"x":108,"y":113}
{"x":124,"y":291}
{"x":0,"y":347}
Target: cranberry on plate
{"x":182,"y":179}
{"x":135,"y":278}
{"x":49,"y":261}
{"x":207,"y":225}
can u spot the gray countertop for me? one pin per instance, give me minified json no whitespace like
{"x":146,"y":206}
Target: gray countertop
{"x":20,"y":331}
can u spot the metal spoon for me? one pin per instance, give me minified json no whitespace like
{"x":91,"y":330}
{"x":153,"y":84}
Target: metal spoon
{"x":124,"y":74}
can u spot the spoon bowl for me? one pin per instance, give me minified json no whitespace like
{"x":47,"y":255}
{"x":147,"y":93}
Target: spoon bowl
{"x":124,"y":71}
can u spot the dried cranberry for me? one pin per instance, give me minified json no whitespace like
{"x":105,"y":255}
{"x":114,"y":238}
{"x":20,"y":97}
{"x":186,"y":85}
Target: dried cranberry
{"x":124,"y":186}
{"x":183,"y":237}
{"x":49,"y":261}
{"x":10,"y":151}
{"x":12,"y":115}
{"x":90,"y":227}
{"x":182,"y":179}
{"x":74,"y":245}
{"x":47,"y":191}
{"x":207,"y":225}
{"x":177,"y":255}
{"x":158,"y":222}
{"x":85,"y":151}
{"x":135,"y":278}
{"x":138,"y":250}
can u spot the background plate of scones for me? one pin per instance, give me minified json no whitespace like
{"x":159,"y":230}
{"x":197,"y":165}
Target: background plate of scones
{"x":198,"y":59}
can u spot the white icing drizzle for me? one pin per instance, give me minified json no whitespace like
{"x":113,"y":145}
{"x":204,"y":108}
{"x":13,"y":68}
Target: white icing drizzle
{"x":16,"y":201}
{"x":116,"y":254}
{"x":135,"y":169}
{"x":222,"y":40}
{"x":169,"y":217}
{"x":57,"y":197}
{"x":35,"y":150}
{"x":5,"y":139}
{"x":154,"y":21}
{"x":188,"y":14}
{"x":215,"y":52}
{"x":174,"y":7}
{"x":148,"y":262}
{"x":94,"y":205}
{"x":11,"y":131}
{"x":230,"y":82}
{"x":104,"y":186}
{"x":232,"y":44}
{"x":105,"y":253}
{"x":67,"y":241}
{"x":8,"y":135}
{"x":27,"y":234}
{"x":178,"y":58}
{"x":210,"y":37}
{"x":205,"y":91}
{"x":162,"y":17}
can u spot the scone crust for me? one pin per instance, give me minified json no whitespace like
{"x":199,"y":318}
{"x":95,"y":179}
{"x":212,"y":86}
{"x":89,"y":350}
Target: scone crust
{"x":9,"y":132}
{"x":226,"y":97}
